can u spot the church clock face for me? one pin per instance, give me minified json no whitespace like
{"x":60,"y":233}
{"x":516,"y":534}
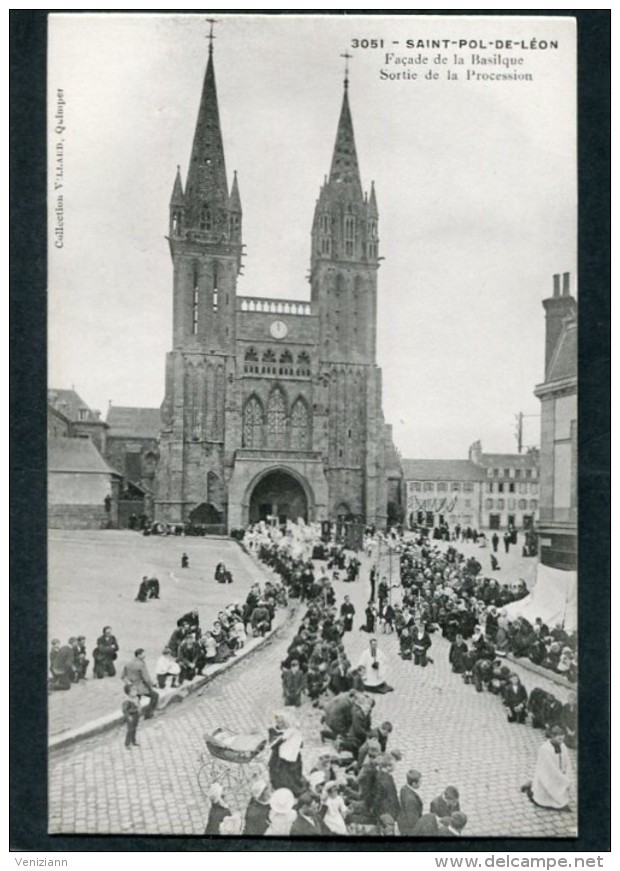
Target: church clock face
{"x":278,"y":329}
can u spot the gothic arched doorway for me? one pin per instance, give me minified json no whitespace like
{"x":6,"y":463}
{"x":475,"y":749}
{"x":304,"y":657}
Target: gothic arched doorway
{"x":278,"y":494}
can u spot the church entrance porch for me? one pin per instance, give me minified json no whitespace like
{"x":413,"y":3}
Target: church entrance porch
{"x":280,"y":495}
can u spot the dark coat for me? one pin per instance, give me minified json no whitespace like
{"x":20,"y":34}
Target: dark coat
{"x":303,"y":826}
{"x":411,"y":807}
{"x":217,"y":813}
{"x":441,"y":809}
{"x":256,"y":818}
{"x":426,"y":827}
{"x":385,"y":797}
{"x":338,"y":715}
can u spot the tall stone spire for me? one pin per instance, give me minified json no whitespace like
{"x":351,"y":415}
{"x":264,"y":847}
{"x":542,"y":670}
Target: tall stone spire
{"x":207,"y":188}
{"x":345,"y":169}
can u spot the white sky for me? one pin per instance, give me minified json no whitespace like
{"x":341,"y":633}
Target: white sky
{"x":475,"y":182}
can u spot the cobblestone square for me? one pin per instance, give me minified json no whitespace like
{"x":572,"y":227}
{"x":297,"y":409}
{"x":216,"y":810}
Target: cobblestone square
{"x":442,"y":727}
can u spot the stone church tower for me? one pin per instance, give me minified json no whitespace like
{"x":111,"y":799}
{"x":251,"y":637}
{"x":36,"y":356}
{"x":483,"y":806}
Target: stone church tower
{"x":272,"y":407}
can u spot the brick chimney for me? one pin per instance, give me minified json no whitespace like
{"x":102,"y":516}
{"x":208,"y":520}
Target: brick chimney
{"x":558,"y":308}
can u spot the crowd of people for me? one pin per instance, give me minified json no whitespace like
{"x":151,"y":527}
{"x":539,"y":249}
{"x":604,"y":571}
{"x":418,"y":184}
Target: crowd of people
{"x":351,"y":788}
{"x":69,"y":663}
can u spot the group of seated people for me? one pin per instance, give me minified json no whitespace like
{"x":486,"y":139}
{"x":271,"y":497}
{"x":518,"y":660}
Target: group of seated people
{"x":191,"y":648}
{"x":69,"y":663}
{"x":351,"y":788}
{"x":458,"y":600}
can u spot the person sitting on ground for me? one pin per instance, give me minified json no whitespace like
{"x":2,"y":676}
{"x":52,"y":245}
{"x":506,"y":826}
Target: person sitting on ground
{"x":411,"y":805}
{"x":209,"y":648}
{"x":337,"y":717}
{"x":143,"y":589}
{"x":446,"y":803}
{"x":61,"y":665}
{"x":221,"y":573}
{"x":552,"y":782}
{"x":421,"y":644}
{"x":458,"y":654}
{"x":177,"y":637}
{"x":188,"y":657}
{"x":167,"y":666}
{"x":223,"y":650}
{"x":375,"y":665}
{"x":515,"y":699}
{"x":360,"y":725}
{"x":80,"y":660}
{"x":105,"y":653}
{"x":192,"y":619}
{"x":316,"y":683}
{"x":257,"y":812}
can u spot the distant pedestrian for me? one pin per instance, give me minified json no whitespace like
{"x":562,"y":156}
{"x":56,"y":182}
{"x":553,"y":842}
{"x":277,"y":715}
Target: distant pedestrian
{"x":507,"y":538}
{"x":495,"y":541}
{"x":185,"y":561}
{"x":131,"y":715}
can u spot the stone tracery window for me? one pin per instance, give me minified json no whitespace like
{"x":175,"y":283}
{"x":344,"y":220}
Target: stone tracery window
{"x":276,"y":419}
{"x":286,"y":363}
{"x":303,"y":363}
{"x":300,"y":426}
{"x":269,"y":363}
{"x":250,"y":360}
{"x":252,"y":424}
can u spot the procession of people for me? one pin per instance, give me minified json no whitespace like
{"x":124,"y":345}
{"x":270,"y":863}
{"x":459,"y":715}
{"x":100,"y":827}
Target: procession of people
{"x":421,"y":590}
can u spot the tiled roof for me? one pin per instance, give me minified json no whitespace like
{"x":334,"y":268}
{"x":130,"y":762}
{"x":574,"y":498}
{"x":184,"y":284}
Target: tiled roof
{"x":75,"y":455}
{"x":515,"y":461}
{"x":68,"y":402}
{"x":131,"y":422}
{"x":564,"y":361}
{"x":441,"y":470}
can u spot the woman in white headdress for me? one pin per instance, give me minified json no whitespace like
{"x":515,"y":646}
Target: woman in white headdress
{"x":282,"y":816}
{"x":285,"y":763}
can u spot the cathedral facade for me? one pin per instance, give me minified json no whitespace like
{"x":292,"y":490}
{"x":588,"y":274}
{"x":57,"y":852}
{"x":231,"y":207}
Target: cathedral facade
{"x":272,"y":407}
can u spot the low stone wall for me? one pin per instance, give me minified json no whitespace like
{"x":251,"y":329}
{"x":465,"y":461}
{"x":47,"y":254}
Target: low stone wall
{"x":77,"y":517}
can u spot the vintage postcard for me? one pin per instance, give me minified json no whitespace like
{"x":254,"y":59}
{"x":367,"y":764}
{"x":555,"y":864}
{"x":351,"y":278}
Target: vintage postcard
{"x":312,"y":425}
